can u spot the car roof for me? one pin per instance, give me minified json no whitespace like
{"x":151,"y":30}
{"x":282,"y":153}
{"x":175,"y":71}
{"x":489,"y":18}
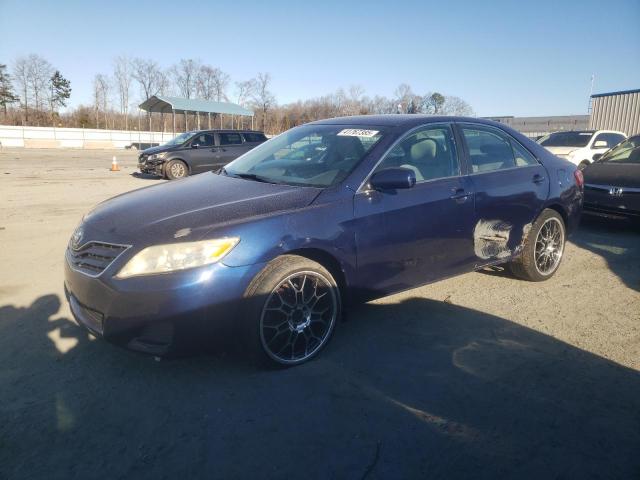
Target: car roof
{"x":227,"y":130}
{"x":397,"y":120}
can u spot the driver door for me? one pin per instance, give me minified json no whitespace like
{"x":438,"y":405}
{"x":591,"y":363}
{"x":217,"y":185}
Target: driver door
{"x":200,"y":156}
{"x":408,"y":237}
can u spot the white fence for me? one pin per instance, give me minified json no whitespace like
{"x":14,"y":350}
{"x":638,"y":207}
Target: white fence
{"x":49,"y":137}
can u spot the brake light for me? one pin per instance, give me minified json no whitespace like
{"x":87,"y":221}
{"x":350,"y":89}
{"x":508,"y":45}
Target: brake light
{"x":577,"y":175}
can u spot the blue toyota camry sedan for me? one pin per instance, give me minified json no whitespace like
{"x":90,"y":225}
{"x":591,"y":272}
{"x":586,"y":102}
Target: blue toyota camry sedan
{"x":274,"y":245}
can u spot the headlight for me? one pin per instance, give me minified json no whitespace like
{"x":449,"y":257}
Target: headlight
{"x":177,"y":256}
{"x":157,"y":156}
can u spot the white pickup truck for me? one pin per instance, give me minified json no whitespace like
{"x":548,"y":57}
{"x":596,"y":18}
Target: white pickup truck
{"x":581,"y":147}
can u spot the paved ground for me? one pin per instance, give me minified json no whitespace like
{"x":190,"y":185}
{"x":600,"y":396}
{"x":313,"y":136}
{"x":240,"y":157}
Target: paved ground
{"x":479,"y":376}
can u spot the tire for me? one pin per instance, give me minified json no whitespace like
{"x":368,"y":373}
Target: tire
{"x":584,"y":164}
{"x":543,"y":248}
{"x":291,"y":310}
{"x":175,"y":169}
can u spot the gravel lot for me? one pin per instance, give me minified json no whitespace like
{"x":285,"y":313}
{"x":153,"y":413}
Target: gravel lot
{"x":479,"y":376}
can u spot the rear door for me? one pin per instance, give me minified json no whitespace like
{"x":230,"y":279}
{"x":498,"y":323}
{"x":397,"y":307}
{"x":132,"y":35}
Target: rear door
{"x":510,"y":188}
{"x":229,"y":147}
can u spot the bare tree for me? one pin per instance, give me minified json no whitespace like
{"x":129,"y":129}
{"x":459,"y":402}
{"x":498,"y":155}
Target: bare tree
{"x":220,"y":84}
{"x":263,"y":97}
{"x":456,"y":106}
{"x":101,"y":89}
{"x":149,"y":77}
{"x":39,"y":73}
{"x":244,"y":91}
{"x":148,"y":74}
{"x":21,"y":75}
{"x":206,"y":82}
{"x":123,"y":74}
{"x":184,"y":75}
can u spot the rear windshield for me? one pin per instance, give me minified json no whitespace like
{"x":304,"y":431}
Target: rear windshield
{"x":566,"y":139}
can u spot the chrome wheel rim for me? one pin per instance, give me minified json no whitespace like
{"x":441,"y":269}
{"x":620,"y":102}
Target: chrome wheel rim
{"x":177,"y":170}
{"x":549,"y":246}
{"x":298,"y":317}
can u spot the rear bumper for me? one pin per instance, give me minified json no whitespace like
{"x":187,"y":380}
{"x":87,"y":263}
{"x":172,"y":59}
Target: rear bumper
{"x":158,"y":314}
{"x":611,"y":201}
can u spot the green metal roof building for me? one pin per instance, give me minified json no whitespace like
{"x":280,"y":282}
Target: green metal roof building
{"x":163,"y":104}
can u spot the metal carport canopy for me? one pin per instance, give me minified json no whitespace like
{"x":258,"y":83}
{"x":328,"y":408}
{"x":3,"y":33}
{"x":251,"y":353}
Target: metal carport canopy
{"x":162,"y":104}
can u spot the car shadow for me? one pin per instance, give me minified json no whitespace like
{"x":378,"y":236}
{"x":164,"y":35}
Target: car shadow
{"x":406,"y":389}
{"x":146,"y":176}
{"x":617,"y":242}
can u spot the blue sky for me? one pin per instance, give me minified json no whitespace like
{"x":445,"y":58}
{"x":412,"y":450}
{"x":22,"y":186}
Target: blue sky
{"x":503,"y":57}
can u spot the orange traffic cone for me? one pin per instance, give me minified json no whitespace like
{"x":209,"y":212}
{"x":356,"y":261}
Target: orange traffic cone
{"x":114,"y":165}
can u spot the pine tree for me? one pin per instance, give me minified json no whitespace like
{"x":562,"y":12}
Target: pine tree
{"x":6,"y":89}
{"x":60,"y":91}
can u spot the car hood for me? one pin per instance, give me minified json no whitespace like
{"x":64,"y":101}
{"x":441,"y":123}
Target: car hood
{"x":187,"y":209}
{"x":613,"y":174}
{"x":562,"y":150}
{"x":158,"y":149}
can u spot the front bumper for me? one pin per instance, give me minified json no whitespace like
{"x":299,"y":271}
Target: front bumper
{"x":152,"y":168}
{"x":157,"y":314}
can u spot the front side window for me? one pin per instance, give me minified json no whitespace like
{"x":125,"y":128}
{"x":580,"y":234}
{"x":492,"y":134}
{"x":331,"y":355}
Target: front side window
{"x":310,"y":155}
{"x":430,"y":152}
{"x":230,"y":139}
{"x":203,"y":140}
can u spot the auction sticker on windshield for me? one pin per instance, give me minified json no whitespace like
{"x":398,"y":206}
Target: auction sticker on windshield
{"x":357,"y":132}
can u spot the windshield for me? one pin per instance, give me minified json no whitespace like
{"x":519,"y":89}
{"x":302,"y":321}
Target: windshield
{"x":311,"y":155}
{"x":180,"y":139}
{"x":625,"y":152}
{"x":566,"y":139}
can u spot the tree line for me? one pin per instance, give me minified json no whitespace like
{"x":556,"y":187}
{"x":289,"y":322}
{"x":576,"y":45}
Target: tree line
{"x":34,"y":92}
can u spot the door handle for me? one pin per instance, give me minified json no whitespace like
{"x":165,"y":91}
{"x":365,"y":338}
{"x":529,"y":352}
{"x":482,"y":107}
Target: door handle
{"x":537,"y":178}
{"x":459,"y":194}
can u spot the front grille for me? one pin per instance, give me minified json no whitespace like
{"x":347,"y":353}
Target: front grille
{"x":94,"y":257}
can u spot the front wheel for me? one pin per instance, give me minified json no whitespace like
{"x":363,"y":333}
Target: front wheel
{"x":543,"y":248}
{"x":293,"y":307}
{"x":175,"y":169}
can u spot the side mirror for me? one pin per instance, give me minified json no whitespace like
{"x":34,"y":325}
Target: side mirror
{"x":597,"y":157}
{"x":195,"y":145}
{"x":393,"y":179}
{"x":600,"y":144}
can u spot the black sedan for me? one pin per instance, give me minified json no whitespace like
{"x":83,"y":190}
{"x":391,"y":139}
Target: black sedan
{"x":612,"y":184}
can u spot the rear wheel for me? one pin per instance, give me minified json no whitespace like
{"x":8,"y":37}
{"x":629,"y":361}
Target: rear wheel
{"x":175,"y":169}
{"x":543,"y":248}
{"x":293,"y":308}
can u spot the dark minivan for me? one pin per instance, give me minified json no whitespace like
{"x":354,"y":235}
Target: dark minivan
{"x":198,"y":151}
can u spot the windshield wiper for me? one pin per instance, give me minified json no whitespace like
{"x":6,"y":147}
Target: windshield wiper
{"x":250,"y":176}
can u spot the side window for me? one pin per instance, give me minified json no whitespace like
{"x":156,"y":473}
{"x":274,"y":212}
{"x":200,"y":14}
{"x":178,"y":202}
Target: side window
{"x":253,"y":137}
{"x":612,"y":139}
{"x":230,"y":138}
{"x":203,"y":140}
{"x":430,"y":152}
{"x":523,"y":157}
{"x":488,"y":150}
